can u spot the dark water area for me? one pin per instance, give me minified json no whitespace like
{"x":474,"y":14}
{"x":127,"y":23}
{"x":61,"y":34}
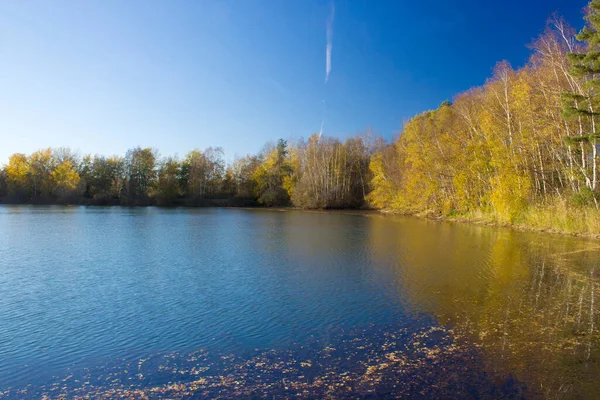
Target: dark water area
{"x":230,"y":303}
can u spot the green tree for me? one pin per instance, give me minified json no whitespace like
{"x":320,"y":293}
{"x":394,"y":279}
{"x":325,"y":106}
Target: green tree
{"x":584,"y":101}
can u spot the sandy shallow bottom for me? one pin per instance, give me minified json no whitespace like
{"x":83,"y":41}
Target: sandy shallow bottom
{"x":426,"y":362}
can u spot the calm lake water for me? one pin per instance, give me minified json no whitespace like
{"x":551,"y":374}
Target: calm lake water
{"x":118,"y":300}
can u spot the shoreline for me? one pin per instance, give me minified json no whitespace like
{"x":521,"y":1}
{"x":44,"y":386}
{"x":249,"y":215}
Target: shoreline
{"x":490,"y":223}
{"x":354,"y":211}
{"x":431,"y":217}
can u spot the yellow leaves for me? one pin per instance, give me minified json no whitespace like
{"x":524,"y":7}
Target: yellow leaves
{"x":382,"y":193}
{"x":469,"y":156}
{"x":486,"y":122}
{"x":261,"y":175}
{"x":510,"y":194}
{"x":18,"y":174}
{"x":41,"y":160}
{"x":65,"y":177}
{"x":521,"y":94}
{"x":17,"y":168}
{"x":464,"y":191}
{"x":275,"y":176}
{"x":289,"y":184}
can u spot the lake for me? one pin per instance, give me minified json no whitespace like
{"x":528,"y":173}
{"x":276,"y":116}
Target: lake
{"x":232,"y":302}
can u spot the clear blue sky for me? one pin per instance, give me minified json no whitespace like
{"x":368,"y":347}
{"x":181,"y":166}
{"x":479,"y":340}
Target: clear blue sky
{"x":104,"y":76}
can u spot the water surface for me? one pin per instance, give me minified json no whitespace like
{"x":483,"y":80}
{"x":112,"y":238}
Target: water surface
{"x":88,"y":290}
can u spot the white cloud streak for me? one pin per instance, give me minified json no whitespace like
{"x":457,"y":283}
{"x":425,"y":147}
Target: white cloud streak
{"x":329,"y":47}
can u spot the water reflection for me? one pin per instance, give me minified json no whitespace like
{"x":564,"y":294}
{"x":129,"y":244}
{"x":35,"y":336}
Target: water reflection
{"x":401,"y":301}
{"x":528,"y":301}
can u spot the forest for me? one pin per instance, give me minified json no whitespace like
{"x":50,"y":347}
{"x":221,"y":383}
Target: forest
{"x":521,"y":149}
{"x":319,"y":173}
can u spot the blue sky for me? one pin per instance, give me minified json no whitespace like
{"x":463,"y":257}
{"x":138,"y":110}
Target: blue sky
{"x":105,"y":76}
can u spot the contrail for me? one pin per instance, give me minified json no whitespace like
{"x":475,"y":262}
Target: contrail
{"x":329,"y":47}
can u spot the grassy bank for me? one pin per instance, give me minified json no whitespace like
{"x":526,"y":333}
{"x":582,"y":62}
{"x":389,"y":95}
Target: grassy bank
{"x":556,"y":217}
{"x":559,"y":216}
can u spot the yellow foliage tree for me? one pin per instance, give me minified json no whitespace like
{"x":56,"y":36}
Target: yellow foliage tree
{"x":65,"y":178}
{"x":499,"y":149}
{"x":18,"y":174}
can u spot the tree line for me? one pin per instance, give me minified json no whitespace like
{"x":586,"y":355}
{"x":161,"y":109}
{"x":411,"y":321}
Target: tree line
{"x":321,"y":172}
{"x":522,"y":146}
{"x":526,"y":140}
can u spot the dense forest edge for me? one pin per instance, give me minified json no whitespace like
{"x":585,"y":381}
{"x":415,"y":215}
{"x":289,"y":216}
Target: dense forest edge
{"x":319,"y":173}
{"x":520,"y":150}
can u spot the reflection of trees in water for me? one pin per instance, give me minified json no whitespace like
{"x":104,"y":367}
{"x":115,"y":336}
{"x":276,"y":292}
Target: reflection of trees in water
{"x":528,"y":300}
{"x":545,"y":332}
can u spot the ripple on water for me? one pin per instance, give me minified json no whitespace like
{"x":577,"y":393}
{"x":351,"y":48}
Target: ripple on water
{"x":82,"y":287}
{"x":385,"y":362}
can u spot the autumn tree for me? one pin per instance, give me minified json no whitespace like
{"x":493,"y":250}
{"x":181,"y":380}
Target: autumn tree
{"x":271,"y":175}
{"x":202,"y":173}
{"x":65,"y":179}
{"x":509,"y":146}
{"x":18,"y":177}
{"x":242,"y":171}
{"x":386,"y":180}
{"x":41,"y":164}
{"x":331,"y":174}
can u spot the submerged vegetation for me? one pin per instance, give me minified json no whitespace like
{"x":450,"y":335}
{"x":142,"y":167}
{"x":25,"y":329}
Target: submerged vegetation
{"x":376,"y":363}
{"x":520,"y":150}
